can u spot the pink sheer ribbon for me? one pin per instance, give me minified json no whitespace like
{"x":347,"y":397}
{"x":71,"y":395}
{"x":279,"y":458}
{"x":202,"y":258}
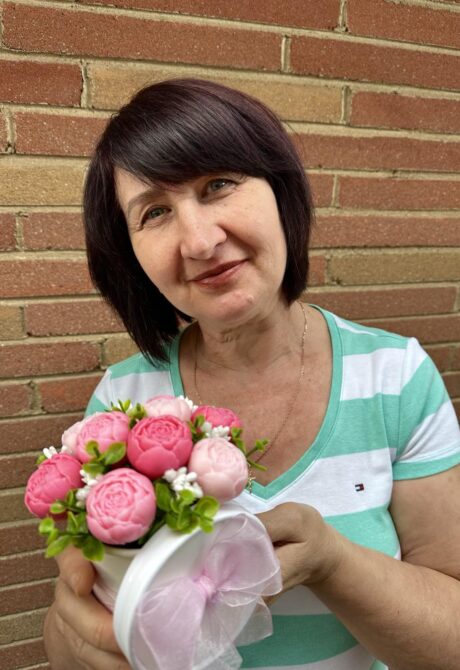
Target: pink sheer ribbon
{"x":195,"y":622}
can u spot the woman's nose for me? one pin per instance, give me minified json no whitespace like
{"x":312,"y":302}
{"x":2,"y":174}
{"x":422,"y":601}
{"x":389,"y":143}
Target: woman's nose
{"x":200,"y":232}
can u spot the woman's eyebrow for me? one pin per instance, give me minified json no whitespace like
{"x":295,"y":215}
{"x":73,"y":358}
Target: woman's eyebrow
{"x":141,"y":198}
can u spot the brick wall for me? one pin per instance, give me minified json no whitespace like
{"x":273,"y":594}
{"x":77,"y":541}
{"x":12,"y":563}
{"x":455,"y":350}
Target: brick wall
{"x":372,"y":91}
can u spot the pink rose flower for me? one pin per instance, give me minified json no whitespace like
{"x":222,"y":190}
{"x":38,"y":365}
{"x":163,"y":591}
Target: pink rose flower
{"x":69,"y":436}
{"x":105,"y":428}
{"x":218,"y":416}
{"x":50,"y":482}
{"x":168,"y":404}
{"x":121,"y":507}
{"x":156,"y":444}
{"x":221,"y":468}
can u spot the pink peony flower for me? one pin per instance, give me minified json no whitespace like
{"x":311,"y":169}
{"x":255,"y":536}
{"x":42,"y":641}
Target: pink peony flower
{"x":120,"y":507}
{"x":69,"y":436}
{"x":221,"y":468}
{"x":168,"y":404}
{"x":105,"y":428}
{"x":50,"y":482}
{"x":218,"y":416}
{"x":156,"y":444}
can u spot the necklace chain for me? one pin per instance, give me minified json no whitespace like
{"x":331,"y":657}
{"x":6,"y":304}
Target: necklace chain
{"x":292,"y":399}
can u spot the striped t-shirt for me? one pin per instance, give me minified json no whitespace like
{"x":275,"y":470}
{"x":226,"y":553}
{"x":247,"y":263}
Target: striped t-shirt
{"x":388,"y":418}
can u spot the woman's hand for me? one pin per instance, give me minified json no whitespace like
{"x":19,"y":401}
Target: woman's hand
{"x":309,"y":550}
{"x":78,"y":629}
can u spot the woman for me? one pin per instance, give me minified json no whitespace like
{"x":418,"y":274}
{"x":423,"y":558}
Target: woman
{"x":197,"y":210}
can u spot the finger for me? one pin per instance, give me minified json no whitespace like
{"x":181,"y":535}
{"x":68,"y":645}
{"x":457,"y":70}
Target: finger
{"x":86,"y":655}
{"x":87,"y":617}
{"x":283,"y":523}
{"x":76,"y":571}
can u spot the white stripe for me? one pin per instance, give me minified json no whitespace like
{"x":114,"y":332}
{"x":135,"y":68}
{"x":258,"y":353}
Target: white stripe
{"x":438,"y":428}
{"x":329,"y":485}
{"x":365,"y":375}
{"x":353,"y":659}
{"x":415,"y":356}
{"x":139,"y":387}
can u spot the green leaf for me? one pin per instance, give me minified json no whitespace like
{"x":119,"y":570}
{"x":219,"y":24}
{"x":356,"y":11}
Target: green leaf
{"x":82,"y":526}
{"x":171,"y":521}
{"x":55,"y":548}
{"x":53,"y":536}
{"x":72,"y":525}
{"x":40,"y":459}
{"x":206,"y":525}
{"x":46,"y":525}
{"x":187,"y":497}
{"x":114,"y":454}
{"x":71,"y":498}
{"x":93,"y":468}
{"x":176,"y":505}
{"x":93,"y":549}
{"x":57,"y":507}
{"x":207,"y":506}
{"x":164,"y":496}
{"x":92,"y":447}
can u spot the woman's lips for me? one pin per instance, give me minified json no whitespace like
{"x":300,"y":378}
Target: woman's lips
{"x":219,"y":275}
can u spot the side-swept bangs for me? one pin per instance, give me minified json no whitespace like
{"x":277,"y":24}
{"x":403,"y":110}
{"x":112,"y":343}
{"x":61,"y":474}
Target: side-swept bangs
{"x":169,"y":133}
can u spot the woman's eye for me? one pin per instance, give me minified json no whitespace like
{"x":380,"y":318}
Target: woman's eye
{"x":153,"y":213}
{"x":218,"y":184}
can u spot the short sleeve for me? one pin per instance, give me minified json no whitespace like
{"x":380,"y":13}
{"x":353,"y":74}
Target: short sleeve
{"x":429,"y":434}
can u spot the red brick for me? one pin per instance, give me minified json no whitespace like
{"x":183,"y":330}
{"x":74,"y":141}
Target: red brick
{"x":12,"y":507}
{"x":317,"y":271}
{"x":60,"y":230}
{"x":452,"y":382}
{"x":396,"y":193}
{"x":354,"y":152}
{"x":56,"y":135}
{"x":455,"y":363}
{"x":83,"y":33}
{"x":344,"y":230}
{"x":43,"y":277}
{"x":71,"y":318}
{"x":428,"y":329}
{"x":379,"y":303}
{"x":15,"y":471}
{"x":26,"y":81}
{"x":26,"y":598}
{"x":22,"y":654}
{"x":422,"y":25}
{"x":32,"y":566}
{"x":36,"y":433}
{"x":3,"y":134}
{"x":18,"y":538}
{"x":14,"y":399}
{"x":343,"y":58}
{"x":394,"y":110}
{"x":322,"y":187}
{"x":70,"y":394}
{"x":7,"y":232}
{"x":300,"y":13}
{"x":441,"y":355}
{"x":22,"y":360}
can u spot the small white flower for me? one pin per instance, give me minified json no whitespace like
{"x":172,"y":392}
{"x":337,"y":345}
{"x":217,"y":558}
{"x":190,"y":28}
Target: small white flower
{"x":89,"y":479}
{"x":49,"y":452}
{"x":189,"y":402}
{"x":65,"y":450}
{"x":216,"y":431}
{"x":181,"y":480}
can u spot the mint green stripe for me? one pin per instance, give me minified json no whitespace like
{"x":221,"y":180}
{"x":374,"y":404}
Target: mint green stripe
{"x":373,"y":529}
{"x":327,"y":427}
{"x":135,"y":364}
{"x":174,"y":369}
{"x":94,"y":405}
{"x":378,"y":666}
{"x":363,"y":426}
{"x":413,"y":470}
{"x":421,"y":397}
{"x":297,"y":640}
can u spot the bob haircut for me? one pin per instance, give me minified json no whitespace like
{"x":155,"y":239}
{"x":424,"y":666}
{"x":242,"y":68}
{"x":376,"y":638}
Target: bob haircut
{"x":171,"y":132}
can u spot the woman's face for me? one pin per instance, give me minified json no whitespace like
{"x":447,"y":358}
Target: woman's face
{"x":214,"y":246}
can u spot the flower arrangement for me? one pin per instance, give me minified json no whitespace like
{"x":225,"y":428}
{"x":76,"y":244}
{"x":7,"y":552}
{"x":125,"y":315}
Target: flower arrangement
{"x":124,"y":473}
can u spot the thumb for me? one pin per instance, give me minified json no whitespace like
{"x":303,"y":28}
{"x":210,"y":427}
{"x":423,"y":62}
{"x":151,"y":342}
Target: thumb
{"x":281,"y":522}
{"x":76,"y":571}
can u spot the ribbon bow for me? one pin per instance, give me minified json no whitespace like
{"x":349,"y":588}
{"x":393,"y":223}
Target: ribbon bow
{"x":193,"y":623}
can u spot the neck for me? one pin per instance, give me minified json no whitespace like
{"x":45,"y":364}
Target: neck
{"x":261,"y":343}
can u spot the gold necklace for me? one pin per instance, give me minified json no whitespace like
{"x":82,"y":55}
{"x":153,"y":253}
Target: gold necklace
{"x":292,"y":399}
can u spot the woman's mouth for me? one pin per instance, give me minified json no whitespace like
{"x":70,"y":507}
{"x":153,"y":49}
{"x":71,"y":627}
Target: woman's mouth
{"x":218,"y":275}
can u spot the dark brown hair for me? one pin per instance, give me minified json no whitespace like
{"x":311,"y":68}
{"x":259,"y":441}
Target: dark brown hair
{"x":171,"y":132}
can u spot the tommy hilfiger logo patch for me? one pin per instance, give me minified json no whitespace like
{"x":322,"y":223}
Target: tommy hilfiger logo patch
{"x":359,"y":487}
